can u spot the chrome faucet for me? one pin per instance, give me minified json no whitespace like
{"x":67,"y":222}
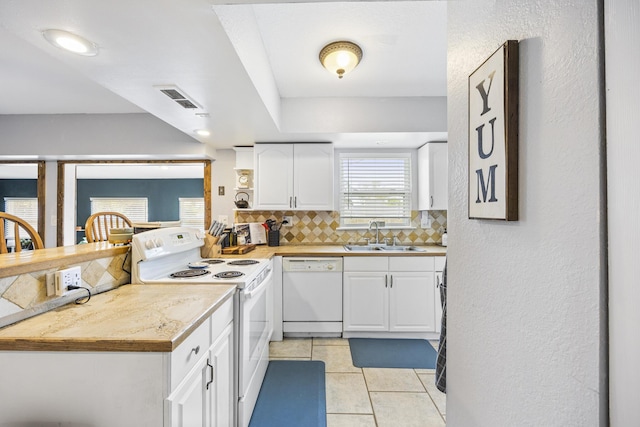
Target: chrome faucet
{"x":372,"y":223}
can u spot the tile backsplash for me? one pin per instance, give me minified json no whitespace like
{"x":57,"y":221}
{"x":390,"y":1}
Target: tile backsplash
{"x":321,"y":227}
{"x":25,"y":295}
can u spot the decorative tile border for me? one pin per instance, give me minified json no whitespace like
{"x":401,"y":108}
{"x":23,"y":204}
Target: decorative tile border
{"x":321,"y":227}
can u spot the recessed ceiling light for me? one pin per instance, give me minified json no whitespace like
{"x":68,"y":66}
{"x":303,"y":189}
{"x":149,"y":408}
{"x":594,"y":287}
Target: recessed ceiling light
{"x":203,"y":132}
{"x":70,"y":42}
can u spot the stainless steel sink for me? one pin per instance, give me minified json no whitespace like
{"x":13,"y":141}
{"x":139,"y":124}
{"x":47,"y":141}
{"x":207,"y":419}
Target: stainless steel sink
{"x":383,"y":248}
{"x":361,"y":248}
{"x":401,"y":248}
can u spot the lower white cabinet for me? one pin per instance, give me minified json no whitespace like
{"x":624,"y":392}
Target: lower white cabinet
{"x":191,"y":386}
{"x":439,"y":267}
{"x":389,"y":294}
{"x":221,"y":387}
{"x":205,"y":397}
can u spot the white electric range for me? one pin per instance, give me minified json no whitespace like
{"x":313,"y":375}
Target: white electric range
{"x":172,"y":256}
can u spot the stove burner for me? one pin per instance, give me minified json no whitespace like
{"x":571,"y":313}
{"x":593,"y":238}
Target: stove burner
{"x":213,"y":261}
{"x":185,"y":274}
{"x":228,"y":274}
{"x":243,"y":262}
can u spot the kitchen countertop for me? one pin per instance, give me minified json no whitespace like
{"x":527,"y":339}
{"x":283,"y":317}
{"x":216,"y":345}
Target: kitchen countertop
{"x":148,"y":318}
{"x":264,"y":251}
{"x":15,"y":263}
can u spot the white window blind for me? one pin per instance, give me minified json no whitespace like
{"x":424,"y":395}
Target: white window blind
{"x":375,"y":187}
{"x":134,"y":208}
{"x":25,"y":208}
{"x":192,"y":212}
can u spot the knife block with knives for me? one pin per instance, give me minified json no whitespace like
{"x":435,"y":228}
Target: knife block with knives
{"x":211,"y":248}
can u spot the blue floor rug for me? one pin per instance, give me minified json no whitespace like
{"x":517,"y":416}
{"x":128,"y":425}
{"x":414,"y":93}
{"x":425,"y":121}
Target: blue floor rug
{"x":392,"y":353}
{"x":292,"y":395}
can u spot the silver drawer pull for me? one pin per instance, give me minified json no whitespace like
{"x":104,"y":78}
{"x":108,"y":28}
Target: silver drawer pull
{"x":196,"y":350}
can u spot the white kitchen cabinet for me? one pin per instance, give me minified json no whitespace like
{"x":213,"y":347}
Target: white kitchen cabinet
{"x":433,"y":171}
{"x":366,"y":301}
{"x":205,"y":397}
{"x":439,"y":267}
{"x":220,"y":389}
{"x":189,"y":401}
{"x":142,"y":389}
{"x":293,"y":176}
{"x":388,"y":294}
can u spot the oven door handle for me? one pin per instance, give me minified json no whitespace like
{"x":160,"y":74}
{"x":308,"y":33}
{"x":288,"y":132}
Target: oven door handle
{"x":258,"y":289}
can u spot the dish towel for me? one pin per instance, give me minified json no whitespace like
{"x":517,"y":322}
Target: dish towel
{"x":441,"y":360}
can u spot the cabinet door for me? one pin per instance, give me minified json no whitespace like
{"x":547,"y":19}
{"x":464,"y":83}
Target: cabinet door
{"x":313,"y":176}
{"x":438,"y":302}
{"x":220,"y":387}
{"x":366,"y":302}
{"x":188,"y":403}
{"x":273,"y":176}
{"x":433,"y":172}
{"x":411,"y":303}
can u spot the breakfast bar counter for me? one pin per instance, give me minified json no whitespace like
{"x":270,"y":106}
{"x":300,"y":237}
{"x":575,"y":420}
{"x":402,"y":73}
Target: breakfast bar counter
{"x":141,"y":318}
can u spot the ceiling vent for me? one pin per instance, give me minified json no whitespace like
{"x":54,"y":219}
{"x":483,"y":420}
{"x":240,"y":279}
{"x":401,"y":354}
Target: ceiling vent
{"x":178,"y":96}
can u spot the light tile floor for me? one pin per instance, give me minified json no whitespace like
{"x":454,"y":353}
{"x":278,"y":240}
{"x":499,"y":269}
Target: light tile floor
{"x":369,"y":397}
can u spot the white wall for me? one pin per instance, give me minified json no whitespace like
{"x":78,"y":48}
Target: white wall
{"x":223,"y":174}
{"x":525,"y":297}
{"x":622,"y":36}
{"x":79,"y":136}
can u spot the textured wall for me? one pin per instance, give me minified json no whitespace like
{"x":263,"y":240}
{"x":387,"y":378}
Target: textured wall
{"x":525,"y":297}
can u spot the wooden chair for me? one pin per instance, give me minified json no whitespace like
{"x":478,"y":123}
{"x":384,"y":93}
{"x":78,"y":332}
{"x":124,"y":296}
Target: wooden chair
{"x":98,"y":225}
{"x":18,"y":223}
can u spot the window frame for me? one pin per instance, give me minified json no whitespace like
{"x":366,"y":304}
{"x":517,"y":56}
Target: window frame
{"x":410,"y":174}
{"x":133,"y":218}
{"x":190,"y":199}
{"x":31,"y":219}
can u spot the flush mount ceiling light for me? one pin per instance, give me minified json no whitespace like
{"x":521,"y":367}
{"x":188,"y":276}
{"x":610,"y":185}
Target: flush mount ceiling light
{"x":70,"y":42}
{"x":202,"y":132}
{"x":340,"y":57}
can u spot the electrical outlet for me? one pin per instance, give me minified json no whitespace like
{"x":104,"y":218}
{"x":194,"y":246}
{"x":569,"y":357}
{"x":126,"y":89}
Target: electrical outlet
{"x":50,"y":280}
{"x":425,"y":220}
{"x":289,"y":219}
{"x":224,"y":219}
{"x":65,"y":278}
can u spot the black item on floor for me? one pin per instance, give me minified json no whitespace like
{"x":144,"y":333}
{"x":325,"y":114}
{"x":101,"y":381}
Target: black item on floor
{"x":441,"y":362}
{"x":292,"y":395}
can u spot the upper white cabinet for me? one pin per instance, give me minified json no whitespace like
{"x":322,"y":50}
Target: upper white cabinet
{"x":432,"y":176}
{"x":293,"y":176}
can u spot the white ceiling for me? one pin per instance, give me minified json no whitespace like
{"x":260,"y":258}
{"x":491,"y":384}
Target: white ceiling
{"x":253,"y":68}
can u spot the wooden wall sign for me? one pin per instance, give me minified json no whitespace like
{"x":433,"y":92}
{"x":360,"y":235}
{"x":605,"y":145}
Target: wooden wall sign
{"x":493,"y":136}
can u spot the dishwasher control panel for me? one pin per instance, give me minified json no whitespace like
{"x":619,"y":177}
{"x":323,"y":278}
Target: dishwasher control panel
{"x":312,"y":265}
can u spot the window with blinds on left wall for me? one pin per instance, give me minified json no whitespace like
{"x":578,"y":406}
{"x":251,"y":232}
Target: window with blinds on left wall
{"x":134,"y":208}
{"x":22,"y":207}
{"x":192,"y":212}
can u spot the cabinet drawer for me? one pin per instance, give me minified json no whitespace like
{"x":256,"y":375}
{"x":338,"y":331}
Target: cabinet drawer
{"x":439,"y":263}
{"x":187,"y":354}
{"x":414,"y":263}
{"x":221,"y":318}
{"x":371,"y":263}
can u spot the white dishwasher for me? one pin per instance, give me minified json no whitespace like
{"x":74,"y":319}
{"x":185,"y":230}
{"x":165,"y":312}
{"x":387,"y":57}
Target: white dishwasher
{"x":312,"y":297}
